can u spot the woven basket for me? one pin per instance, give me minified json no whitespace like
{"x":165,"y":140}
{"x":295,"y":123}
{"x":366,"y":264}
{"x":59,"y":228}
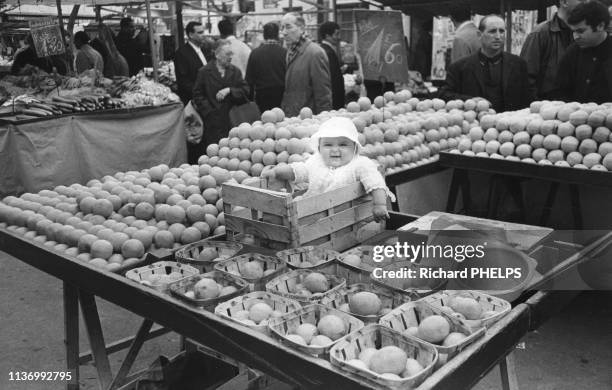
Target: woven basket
{"x":181,"y":288}
{"x":412,"y":313}
{"x":378,"y":336}
{"x":162,"y":269}
{"x":287,"y":324}
{"x":270,"y":265}
{"x":365,"y":252}
{"x":307,"y":257}
{"x":189,"y":253}
{"x":351,"y":274}
{"x":228,"y":309}
{"x":389,"y":298}
{"x":416,"y":286}
{"x":497,"y":306}
{"x":285,"y":286}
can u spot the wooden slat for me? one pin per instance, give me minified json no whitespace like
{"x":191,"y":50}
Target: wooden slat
{"x":71,"y":333}
{"x":333,"y":198}
{"x":507,"y":371}
{"x":272,"y":202}
{"x":335,"y":222}
{"x":258,"y":228}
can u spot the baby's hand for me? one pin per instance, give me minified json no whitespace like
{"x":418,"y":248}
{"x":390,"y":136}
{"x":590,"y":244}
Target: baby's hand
{"x":268,"y":172}
{"x":380,"y":213}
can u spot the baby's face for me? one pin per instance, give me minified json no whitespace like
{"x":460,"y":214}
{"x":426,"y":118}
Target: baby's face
{"x":336,"y":151}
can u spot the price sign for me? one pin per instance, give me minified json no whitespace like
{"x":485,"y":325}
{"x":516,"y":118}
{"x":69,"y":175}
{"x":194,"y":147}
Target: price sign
{"x":380,"y":44}
{"x":47,"y":37}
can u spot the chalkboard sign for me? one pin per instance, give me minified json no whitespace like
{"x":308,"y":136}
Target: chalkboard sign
{"x":47,"y":37}
{"x":380,"y":44}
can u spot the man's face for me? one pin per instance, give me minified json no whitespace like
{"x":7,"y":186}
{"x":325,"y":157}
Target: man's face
{"x":494,"y":35}
{"x":224,"y":55}
{"x":197,"y":36}
{"x":335,"y":37}
{"x":130,"y":28}
{"x":585,"y":36}
{"x":290,"y":30}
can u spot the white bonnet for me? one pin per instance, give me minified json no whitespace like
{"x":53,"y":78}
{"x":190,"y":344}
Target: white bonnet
{"x":336,"y":127}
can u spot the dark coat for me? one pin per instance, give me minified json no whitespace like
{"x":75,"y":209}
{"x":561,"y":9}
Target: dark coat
{"x":337,"y":80}
{"x":215,"y":114}
{"x":585,"y":75}
{"x":265,"y":74}
{"x":543,"y":50}
{"x":186,"y":66}
{"x":466,"y":79}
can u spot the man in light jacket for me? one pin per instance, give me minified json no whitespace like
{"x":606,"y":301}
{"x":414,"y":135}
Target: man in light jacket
{"x":307,"y":81}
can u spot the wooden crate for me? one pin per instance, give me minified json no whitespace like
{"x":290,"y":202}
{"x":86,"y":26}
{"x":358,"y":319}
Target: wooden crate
{"x":334,"y":219}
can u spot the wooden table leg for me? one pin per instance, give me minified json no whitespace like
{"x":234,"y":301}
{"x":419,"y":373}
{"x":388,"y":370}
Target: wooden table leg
{"x":71,"y":334}
{"x":550,"y":201}
{"x":576,"y":207}
{"x":96,"y":338}
{"x":139,"y":340}
{"x":508,"y":373}
{"x":453,"y":191}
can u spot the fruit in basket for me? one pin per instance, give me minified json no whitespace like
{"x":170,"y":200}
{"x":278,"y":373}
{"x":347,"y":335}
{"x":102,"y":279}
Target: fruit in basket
{"x":259,"y":312}
{"x":366,"y":355}
{"x":469,"y":307}
{"x":364,"y":303}
{"x":453,"y":338}
{"x":316,"y":283}
{"x":353,"y":260}
{"x":206,"y":288}
{"x":389,"y":359}
{"x":208,"y":254}
{"x":332,"y":326}
{"x":412,"y":331}
{"x":357,"y":363}
{"x":307,"y":331}
{"x":296,"y":339}
{"x":413,"y":367}
{"x":434,"y":329}
{"x":228,"y":290}
{"x":241,"y":315}
{"x":321,"y":340}
{"x":251,"y":270}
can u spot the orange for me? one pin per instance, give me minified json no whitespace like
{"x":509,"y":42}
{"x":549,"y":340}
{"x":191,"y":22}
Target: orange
{"x":210,"y":195}
{"x":102,"y":249}
{"x":175,"y":214}
{"x":189,"y":235}
{"x":132,"y":248}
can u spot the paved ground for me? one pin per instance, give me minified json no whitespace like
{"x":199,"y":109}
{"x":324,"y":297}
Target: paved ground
{"x":571,"y":351}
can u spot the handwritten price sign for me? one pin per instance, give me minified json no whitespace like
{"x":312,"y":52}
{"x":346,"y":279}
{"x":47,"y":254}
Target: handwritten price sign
{"x":47,"y":37}
{"x":380,"y":44}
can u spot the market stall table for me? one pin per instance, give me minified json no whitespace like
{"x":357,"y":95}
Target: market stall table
{"x":572,"y":177}
{"x":44,"y":153}
{"x":83,"y":282}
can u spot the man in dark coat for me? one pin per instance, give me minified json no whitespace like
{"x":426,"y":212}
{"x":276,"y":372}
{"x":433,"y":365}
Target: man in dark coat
{"x":499,"y":77}
{"x":129,"y":47}
{"x":189,"y":59}
{"x":585,"y":71}
{"x":545,"y":46}
{"x":329,"y":33}
{"x":218,"y":87}
{"x":265,"y":72}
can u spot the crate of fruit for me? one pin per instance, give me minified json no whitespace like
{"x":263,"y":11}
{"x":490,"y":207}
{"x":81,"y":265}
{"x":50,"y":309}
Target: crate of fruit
{"x":161,"y":274}
{"x":305,"y":286}
{"x":341,"y":270}
{"x":314,"y":329}
{"x":366,"y":301}
{"x":447,"y":333}
{"x":255,"y":268}
{"x":307,"y":257}
{"x":339,"y":219}
{"x":360,"y":258}
{"x":256,"y":309}
{"x":204,"y":253}
{"x":475,"y":308}
{"x":385,"y":357}
{"x":207,"y":290}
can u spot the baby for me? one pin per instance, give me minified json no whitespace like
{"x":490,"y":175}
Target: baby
{"x":337,"y":163}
